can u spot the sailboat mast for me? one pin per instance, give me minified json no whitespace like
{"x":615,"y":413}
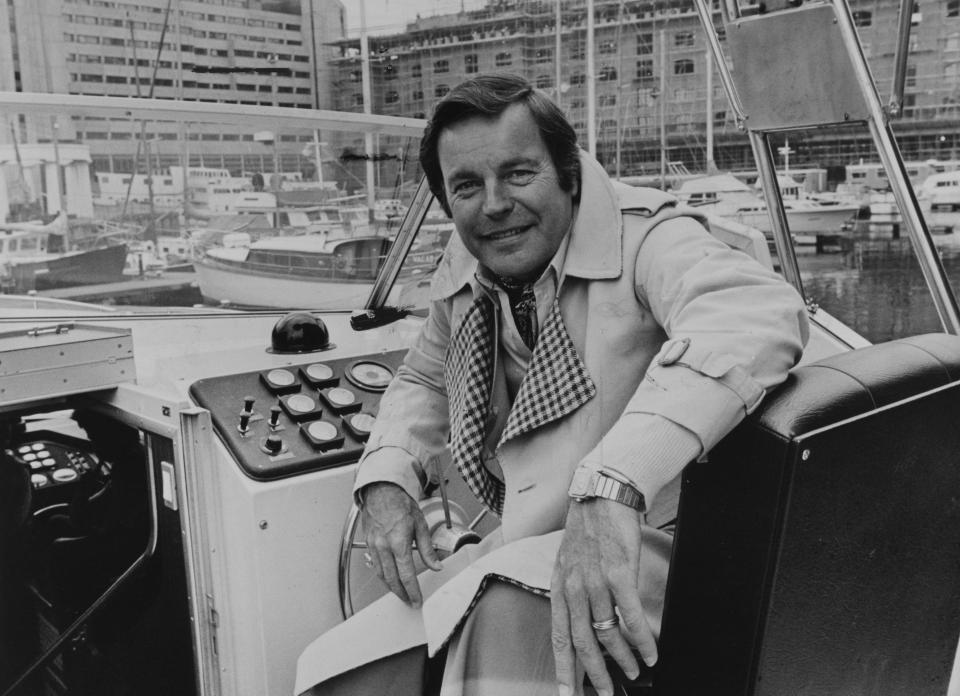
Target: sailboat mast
{"x":367,"y":103}
{"x":591,"y":86}
{"x":663,"y":109}
{"x":557,"y":45}
{"x":711,"y":162}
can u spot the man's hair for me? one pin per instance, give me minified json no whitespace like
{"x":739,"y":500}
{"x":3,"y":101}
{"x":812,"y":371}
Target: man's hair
{"x":490,"y":96}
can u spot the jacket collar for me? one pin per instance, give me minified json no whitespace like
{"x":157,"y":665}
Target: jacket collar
{"x":595,"y":248}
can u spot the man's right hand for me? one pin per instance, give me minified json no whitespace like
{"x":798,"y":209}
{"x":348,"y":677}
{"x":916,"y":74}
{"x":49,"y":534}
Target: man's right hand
{"x":392,"y":520}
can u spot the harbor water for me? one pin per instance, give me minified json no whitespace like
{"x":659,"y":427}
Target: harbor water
{"x":872,"y":282}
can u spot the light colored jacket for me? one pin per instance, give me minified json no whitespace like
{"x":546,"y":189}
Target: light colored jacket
{"x":680,"y":334}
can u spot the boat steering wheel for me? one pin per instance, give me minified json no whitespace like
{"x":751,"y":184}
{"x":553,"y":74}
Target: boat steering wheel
{"x":449,"y":531}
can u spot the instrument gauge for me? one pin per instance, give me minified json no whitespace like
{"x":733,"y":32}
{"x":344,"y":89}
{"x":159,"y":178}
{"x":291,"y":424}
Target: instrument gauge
{"x":370,"y":375}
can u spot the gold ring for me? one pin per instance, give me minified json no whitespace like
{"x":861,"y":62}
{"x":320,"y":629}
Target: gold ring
{"x":612,"y":622}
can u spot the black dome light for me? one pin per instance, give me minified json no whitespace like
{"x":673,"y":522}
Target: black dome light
{"x":299,"y":332}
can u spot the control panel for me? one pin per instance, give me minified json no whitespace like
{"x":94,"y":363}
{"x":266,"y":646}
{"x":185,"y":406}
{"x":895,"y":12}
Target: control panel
{"x":288,"y":420}
{"x":57,"y":463}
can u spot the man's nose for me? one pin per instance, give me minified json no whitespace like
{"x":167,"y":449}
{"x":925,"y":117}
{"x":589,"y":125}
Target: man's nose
{"x":496,"y":201}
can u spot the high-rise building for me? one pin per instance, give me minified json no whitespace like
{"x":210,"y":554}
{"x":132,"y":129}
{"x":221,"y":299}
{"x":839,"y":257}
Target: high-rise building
{"x":260,"y":52}
{"x":650,"y":67}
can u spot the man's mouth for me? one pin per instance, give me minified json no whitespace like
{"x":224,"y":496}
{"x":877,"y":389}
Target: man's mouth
{"x":506,"y":234}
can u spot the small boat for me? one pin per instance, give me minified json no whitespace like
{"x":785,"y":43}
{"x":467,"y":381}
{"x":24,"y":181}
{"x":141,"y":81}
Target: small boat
{"x":35,"y":256}
{"x":291,"y":271}
{"x":726,"y":196}
{"x":939,"y":196}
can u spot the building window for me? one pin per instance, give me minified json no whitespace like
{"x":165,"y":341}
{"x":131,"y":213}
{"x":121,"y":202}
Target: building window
{"x":683,"y":39}
{"x":441,"y":66}
{"x":358,"y":100}
{"x":607,"y":73}
{"x":862,"y":18}
{"x":684,"y":66}
{"x":644,"y":69}
{"x":577,"y":50}
{"x":953,"y":8}
{"x":607,"y":100}
{"x":441,"y":91}
{"x":608,"y":47}
{"x":389,"y":72}
{"x":644,"y":44}
{"x":470,"y":63}
{"x":719,"y":118}
{"x":577,"y":78}
{"x":911,"y":76}
{"x":416,"y":70}
{"x":543,"y":55}
{"x":392,"y":97}
{"x":502,"y":59}
{"x":544,"y":82}
{"x":417,"y":95}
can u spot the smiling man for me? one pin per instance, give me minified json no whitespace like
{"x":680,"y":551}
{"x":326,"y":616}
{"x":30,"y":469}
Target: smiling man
{"x":586,"y":340}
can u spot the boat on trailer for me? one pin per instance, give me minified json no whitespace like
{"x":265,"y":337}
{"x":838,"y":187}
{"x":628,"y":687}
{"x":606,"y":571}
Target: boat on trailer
{"x":177,"y":515}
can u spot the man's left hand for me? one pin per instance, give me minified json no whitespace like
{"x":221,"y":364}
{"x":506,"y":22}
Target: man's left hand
{"x":597,"y":571}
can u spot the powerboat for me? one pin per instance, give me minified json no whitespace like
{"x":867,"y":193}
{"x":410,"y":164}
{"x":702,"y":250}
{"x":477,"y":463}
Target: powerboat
{"x":177,"y":513}
{"x":291,"y":271}
{"x":726,"y":196}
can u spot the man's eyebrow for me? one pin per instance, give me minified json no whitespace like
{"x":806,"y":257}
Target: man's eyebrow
{"x":520,"y":160}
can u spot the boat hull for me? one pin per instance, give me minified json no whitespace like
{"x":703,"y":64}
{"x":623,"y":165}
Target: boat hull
{"x":225,"y":285}
{"x":826,"y":220}
{"x":88,"y":267}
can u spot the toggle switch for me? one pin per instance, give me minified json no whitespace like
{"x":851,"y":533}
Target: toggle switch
{"x":274,"y":421}
{"x":273,"y":444}
{"x":244,"y":425}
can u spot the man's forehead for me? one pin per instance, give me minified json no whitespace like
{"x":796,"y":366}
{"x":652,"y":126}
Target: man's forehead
{"x":516,"y":124}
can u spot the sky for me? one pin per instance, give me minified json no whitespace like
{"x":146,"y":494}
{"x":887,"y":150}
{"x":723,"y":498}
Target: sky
{"x":391,"y":16}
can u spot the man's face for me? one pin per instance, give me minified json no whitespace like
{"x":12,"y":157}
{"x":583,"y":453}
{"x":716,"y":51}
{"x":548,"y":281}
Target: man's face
{"x":504,"y":192}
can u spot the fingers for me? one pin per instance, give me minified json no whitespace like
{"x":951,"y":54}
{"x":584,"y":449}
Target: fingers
{"x":564,"y":655}
{"x":425,"y":544}
{"x":602,"y":609}
{"x":385,"y":563}
{"x":636,"y":627}
{"x":585,"y":640}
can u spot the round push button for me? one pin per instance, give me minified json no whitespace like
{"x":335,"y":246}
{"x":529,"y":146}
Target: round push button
{"x":301,"y":403}
{"x":65,"y":475}
{"x":282,"y":378}
{"x":321,"y":430}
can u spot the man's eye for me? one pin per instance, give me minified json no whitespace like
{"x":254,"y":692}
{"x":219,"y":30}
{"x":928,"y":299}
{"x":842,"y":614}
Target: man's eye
{"x":465,"y":187}
{"x":521,"y":176}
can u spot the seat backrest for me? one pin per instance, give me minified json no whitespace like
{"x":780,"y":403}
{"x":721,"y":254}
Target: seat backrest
{"x":818,"y":551}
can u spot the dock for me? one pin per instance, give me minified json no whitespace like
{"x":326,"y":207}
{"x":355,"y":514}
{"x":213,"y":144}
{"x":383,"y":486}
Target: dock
{"x":168,"y":288}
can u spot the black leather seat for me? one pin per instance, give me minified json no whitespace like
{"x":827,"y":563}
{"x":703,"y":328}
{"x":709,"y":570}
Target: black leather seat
{"x":818,"y":551}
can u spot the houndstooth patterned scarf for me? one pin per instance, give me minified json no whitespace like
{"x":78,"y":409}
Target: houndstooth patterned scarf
{"x":468,"y":373}
{"x":556,"y":383}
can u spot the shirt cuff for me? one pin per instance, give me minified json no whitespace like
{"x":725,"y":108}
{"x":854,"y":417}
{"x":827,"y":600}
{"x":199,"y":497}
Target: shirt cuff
{"x":389,"y":465}
{"x":649,"y":450}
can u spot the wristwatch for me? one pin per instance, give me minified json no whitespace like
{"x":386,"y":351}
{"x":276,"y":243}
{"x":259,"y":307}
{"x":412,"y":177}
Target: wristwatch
{"x":588,"y":483}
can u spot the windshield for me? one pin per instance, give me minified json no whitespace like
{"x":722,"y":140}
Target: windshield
{"x":204,"y":208}
{"x":228,"y":192}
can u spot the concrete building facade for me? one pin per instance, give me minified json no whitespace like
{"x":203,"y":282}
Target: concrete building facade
{"x":260,"y":52}
{"x":636,"y":89}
